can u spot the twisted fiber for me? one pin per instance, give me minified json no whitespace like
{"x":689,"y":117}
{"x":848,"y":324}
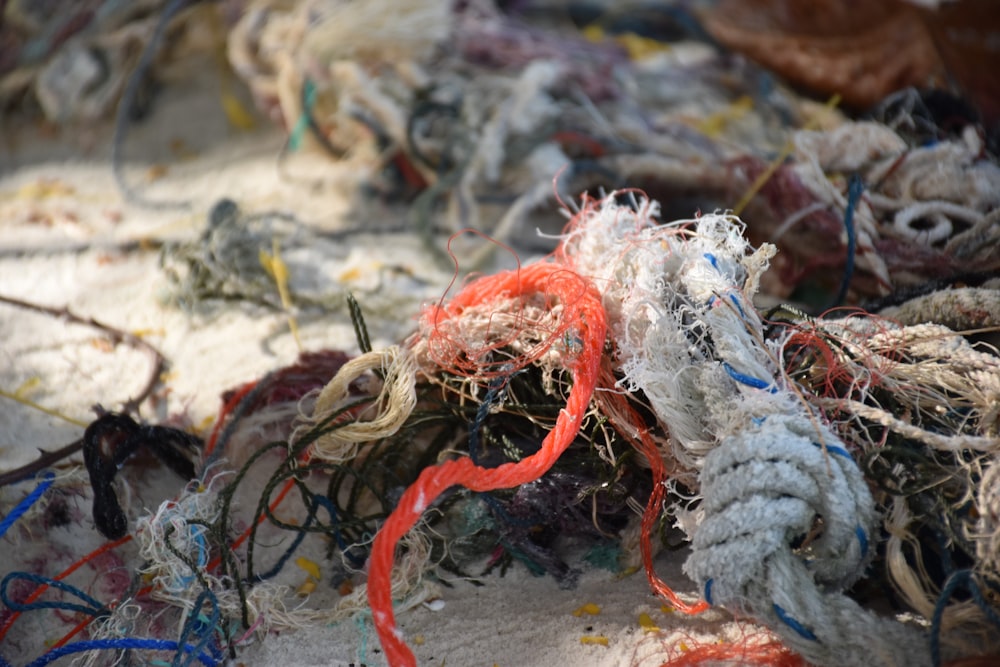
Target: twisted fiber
{"x":550,"y":279}
{"x":763,"y":490}
{"x":583,"y":309}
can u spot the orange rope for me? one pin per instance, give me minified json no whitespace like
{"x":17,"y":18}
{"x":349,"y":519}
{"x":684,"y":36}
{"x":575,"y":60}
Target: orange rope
{"x":582,"y":308}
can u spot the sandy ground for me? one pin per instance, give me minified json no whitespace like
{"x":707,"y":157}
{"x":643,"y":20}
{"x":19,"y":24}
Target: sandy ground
{"x":68,"y":239}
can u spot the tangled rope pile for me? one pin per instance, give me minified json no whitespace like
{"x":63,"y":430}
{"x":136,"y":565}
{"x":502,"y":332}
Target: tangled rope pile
{"x":786,"y":523}
{"x":692,"y":343}
{"x":798,"y":454}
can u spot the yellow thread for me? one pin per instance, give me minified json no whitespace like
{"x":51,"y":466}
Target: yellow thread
{"x":628,"y":572}
{"x":637,"y":46}
{"x":786,"y":150}
{"x":27,"y":386}
{"x":278,"y":270}
{"x":713,"y":124}
{"x":45,"y":188}
{"x":589,"y":608}
{"x":41,"y":408}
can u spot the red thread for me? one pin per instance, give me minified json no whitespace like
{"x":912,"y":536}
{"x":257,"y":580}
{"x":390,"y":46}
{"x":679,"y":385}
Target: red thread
{"x":226,"y":410}
{"x":629,"y":424}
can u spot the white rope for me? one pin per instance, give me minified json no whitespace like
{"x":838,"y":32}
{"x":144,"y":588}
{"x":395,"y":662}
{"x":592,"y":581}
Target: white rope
{"x":678,"y":298}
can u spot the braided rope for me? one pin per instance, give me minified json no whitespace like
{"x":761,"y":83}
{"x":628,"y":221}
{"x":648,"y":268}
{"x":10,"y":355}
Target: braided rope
{"x":771,"y":473}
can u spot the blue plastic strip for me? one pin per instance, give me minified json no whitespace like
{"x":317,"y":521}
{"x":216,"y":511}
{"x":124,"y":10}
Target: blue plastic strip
{"x":793,"y":624}
{"x":748,"y":380}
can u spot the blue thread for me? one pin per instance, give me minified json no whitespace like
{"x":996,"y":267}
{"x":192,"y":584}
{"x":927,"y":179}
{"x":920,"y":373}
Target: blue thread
{"x":854,"y":189}
{"x":862,"y":539}
{"x":793,"y":624}
{"x":126,"y":643}
{"x":95,"y":608}
{"x":300,"y":535}
{"x":331,"y":509}
{"x":736,"y":301}
{"x":963,"y":578}
{"x":199,"y":539}
{"x":708,"y":590}
{"x":197,"y":627}
{"x":317,"y":502}
{"x":757,"y":421}
{"x":26,"y":504}
{"x":712,"y":260}
{"x":748,"y":380}
{"x":834,"y":449}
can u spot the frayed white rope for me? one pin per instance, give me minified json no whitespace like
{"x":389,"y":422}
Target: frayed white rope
{"x":678,"y":298}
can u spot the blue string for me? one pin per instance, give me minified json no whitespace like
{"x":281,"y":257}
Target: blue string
{"x":736,"y":301}
{"x":858,"y":530}
{"x":331,"y":509}
{"x":26,"y":504}
{"x":95,"y":608}
{"x":197,"y":627}
{"x":123,"y":643}
{"x":712,"y":260}
{"x":862,"y":539}
{"x":127,"y":103}
{"x":317,"y":502}
{"x":793,"y":624}
{"x":854,"y":189}
{"x":301,"y":535}
{"x":708,"y":590}
{"x":199,"y":539}
{"x":965,"y":579}
{"x":495,"y":392}
{"x":748,"y":380}
{"x":834,"y":449}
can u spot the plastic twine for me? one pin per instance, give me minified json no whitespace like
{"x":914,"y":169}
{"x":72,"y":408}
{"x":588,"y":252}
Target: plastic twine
{"x":582,"y":307}
{"x":26,"y":504}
